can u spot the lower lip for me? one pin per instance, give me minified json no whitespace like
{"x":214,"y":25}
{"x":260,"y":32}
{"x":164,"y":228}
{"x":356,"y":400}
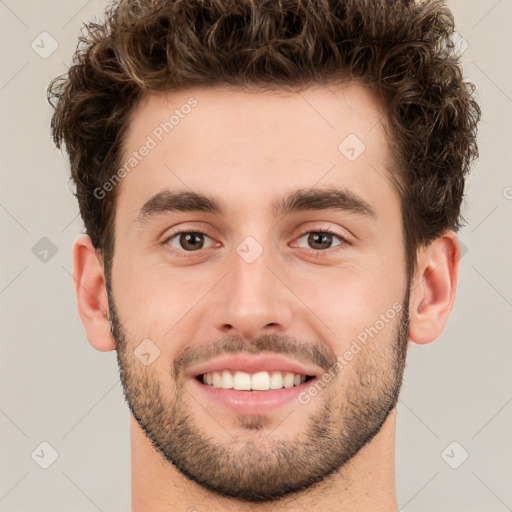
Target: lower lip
{"x":252,"y":402}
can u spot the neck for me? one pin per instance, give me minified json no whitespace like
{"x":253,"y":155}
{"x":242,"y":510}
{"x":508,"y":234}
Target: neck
{"x":365,"y":483}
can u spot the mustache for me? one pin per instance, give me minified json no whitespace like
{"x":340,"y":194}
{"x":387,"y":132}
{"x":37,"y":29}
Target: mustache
{"x":316,"y":353}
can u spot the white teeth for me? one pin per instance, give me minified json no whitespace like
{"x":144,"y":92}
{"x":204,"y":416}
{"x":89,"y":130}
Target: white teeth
{"x":276,"y":380}
{"x":217,"y":380}
{"x":241,"y":381}
{"x":288,"y":380}
{"x":259,"y":381}
{"x":227,"y":380}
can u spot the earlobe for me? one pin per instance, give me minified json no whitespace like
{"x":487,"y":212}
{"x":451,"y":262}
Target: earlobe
{"x":91,"y":294}
{"x":433,"y":288}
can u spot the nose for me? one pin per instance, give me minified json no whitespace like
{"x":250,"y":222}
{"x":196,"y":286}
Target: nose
{"x":253,"y":300}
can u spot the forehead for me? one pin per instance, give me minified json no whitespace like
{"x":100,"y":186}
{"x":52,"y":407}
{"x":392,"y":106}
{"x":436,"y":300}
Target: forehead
{"x":206,"y":115}
{"x":223,"y":140}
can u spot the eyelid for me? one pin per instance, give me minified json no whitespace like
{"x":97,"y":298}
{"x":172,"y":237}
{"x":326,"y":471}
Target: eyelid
{"x":342,"y":234}
{"x":192,"y":227}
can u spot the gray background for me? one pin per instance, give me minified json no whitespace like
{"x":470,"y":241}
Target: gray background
{"x":55,"y":387}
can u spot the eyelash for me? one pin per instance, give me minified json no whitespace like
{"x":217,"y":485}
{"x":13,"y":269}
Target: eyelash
{"x":315,"y":252}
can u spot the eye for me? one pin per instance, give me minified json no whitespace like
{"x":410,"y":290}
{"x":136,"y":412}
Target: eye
{"x":322,"y":240}
{"x":319,"y":241}
{"x":189,"y":241}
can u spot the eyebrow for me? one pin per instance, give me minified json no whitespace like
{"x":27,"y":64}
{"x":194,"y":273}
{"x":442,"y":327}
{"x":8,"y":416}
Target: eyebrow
{"x":295,"y":201}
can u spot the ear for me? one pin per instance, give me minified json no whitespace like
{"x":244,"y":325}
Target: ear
{"x":433,"y":288}
{"x":91,"y":294}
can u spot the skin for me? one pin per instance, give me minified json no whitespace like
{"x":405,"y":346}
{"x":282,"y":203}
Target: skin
{"x":247,"y":149}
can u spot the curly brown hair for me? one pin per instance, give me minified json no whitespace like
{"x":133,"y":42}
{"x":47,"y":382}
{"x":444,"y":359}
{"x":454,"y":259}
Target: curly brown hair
{"x":401,"y":50}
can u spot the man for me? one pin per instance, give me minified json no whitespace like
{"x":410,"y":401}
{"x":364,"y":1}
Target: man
{"x":271,"y":193}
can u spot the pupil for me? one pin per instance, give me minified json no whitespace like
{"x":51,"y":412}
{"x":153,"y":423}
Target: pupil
{"x":321,"y":238}
{"x":192,"y":240}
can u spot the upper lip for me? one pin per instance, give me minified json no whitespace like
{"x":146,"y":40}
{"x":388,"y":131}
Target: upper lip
{"x":254,"y":363}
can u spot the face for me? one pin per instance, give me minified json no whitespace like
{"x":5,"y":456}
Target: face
{"x":258,"y":291}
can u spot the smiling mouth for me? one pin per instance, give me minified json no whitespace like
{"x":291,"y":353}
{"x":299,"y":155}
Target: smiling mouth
{"x":259,"y":381}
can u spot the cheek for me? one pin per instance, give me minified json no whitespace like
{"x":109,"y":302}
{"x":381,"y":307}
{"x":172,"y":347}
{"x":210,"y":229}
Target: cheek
{"x":142,"y":296}
{"x":159,"y":303}
{"x":350,"y":298}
